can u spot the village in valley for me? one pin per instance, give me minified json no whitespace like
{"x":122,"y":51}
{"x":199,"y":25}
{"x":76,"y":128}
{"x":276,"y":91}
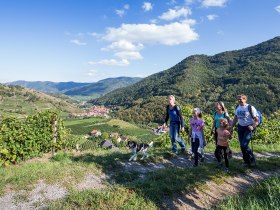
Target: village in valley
{"x":94,"y":111}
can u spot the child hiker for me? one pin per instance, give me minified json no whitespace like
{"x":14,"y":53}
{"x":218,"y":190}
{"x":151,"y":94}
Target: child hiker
{"x":196,"y":135}
{"x":223,"y":136}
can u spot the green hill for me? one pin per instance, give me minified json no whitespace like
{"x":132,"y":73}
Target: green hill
{"x":16,"y":100}
{"x":83,"y":91}
{"x":200,"y":80}
{"x":47,"y":86}
{"x":102,"y":87}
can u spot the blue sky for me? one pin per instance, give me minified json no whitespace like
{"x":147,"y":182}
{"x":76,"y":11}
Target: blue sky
{"x":90,"y":40}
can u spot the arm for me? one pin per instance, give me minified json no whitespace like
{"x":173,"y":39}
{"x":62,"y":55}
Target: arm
{"x":254,"y":114}
{"x":166,"y":117}
{"x":254,"y":125}
{"x":190,"y":135}
{"x":181,"y":120}
{"x":203,"y":136}
{"x":213,"y":127}
{"x":234,"y":121}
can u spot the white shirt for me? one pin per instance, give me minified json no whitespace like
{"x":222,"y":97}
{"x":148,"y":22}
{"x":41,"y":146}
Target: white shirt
{"x":243,"y":115}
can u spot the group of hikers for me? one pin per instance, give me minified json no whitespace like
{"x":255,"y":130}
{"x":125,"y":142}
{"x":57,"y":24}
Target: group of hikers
{"x":222,"y":128}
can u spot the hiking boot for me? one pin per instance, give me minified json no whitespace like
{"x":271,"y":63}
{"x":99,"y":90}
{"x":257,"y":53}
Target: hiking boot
{"x":226,"y":169}
{"x":202,"y":159}
{"x":194,"y":165}
{"x":183,"y":150}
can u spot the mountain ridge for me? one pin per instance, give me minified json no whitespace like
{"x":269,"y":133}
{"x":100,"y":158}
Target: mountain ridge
{"x":200,"y":80}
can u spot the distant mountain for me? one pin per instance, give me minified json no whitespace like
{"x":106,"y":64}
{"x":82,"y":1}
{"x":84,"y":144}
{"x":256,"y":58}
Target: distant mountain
{"x":16,"y":100}
{"x":47,"y":86}
{"x":92,"y":90}
{"x":103,"y":86}
{"x":200,"y":80}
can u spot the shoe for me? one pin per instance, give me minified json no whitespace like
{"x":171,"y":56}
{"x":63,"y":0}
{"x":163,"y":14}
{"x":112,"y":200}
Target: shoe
{"x":194,"y":165}
{"x":183,"y":149}
{"x":246,"y":164}
{"x":253,"y":162}
{"x":202,"y":159}
{"x":175,"y":152}
{"x":219,"y":165}
{"x":226,"y":169}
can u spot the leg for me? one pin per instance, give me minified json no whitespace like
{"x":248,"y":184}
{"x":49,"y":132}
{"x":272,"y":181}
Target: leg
{"x":144,"y":154}
{"x":226,"y":156}
{"x":218,"y":154}
{"x":195,"y":145}
{"x":133,"y":157}
{"x":174,"y":127}
{"x":181,"y":143}
{"x":245,"y":135}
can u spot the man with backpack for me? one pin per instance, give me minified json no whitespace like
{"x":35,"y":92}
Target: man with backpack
{"x":247,"y":117}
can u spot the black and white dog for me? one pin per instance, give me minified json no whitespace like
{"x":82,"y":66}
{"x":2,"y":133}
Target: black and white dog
{"x":138,"y":147}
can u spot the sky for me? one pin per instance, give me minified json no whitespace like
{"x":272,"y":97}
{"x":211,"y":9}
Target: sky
{"x":91,"y":40}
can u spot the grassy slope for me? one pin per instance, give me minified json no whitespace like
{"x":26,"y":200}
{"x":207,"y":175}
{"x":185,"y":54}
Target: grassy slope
{"x":16,"y":100}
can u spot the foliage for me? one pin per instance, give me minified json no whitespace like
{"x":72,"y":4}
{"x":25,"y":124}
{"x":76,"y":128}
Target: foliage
{"x":201,"y":80}
{"x":22,"y":139}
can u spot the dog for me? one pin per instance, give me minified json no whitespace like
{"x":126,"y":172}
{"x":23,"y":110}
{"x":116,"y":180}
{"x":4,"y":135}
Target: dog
{"x":138,"y":147}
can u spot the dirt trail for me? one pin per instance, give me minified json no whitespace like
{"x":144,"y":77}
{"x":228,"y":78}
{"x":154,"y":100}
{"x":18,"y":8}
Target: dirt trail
{"x":214,"y":193}
{"x":196,"y":199}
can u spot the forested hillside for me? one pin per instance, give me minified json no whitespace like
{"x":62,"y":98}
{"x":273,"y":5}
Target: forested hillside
{"x":200,"y":80}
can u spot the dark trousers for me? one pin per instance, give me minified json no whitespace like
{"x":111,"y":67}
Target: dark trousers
{"x":195,"y":146}
{"x":244,"y":136}
{"x":221,"y":150}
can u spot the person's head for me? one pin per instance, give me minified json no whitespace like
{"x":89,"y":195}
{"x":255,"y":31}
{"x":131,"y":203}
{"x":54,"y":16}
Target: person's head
{"x":197,"y":113}
{"x":242,"y":99}
{"x":220,"y":106}
{"x":223,"y":123}
{"x":171,"y":100}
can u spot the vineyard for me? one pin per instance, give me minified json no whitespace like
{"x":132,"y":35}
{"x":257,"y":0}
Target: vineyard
{"x":22,"y":139}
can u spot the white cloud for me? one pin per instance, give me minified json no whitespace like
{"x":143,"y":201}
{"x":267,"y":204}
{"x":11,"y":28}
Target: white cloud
{"x":169,"y":34}
{"x":154,"y":21}
{"x":123,"y":45}
{"x":277,"y":8}
{"x":132,"y":55}
{"x":147,"y":6}
{"x":171,"y":2}
{"x":214,"y":3}
{"x":92,"y":72}
{"x":94,"y":34}
{"x":172,"y":14}
{"x":189,"y":1}
{"x":77,"y":42}
{"x":119,"y":12}
{"x":212,"y":17}
{"x":126,"y":6}
{"x":111,"y":62}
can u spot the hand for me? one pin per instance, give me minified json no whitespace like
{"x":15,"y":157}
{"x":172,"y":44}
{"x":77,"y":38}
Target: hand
{"x":182,"y":129}
{"x":164,"y":125}
{"x":250,"y":127}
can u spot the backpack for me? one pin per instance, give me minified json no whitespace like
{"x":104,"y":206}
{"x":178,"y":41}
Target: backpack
{"x":259,"y":114}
